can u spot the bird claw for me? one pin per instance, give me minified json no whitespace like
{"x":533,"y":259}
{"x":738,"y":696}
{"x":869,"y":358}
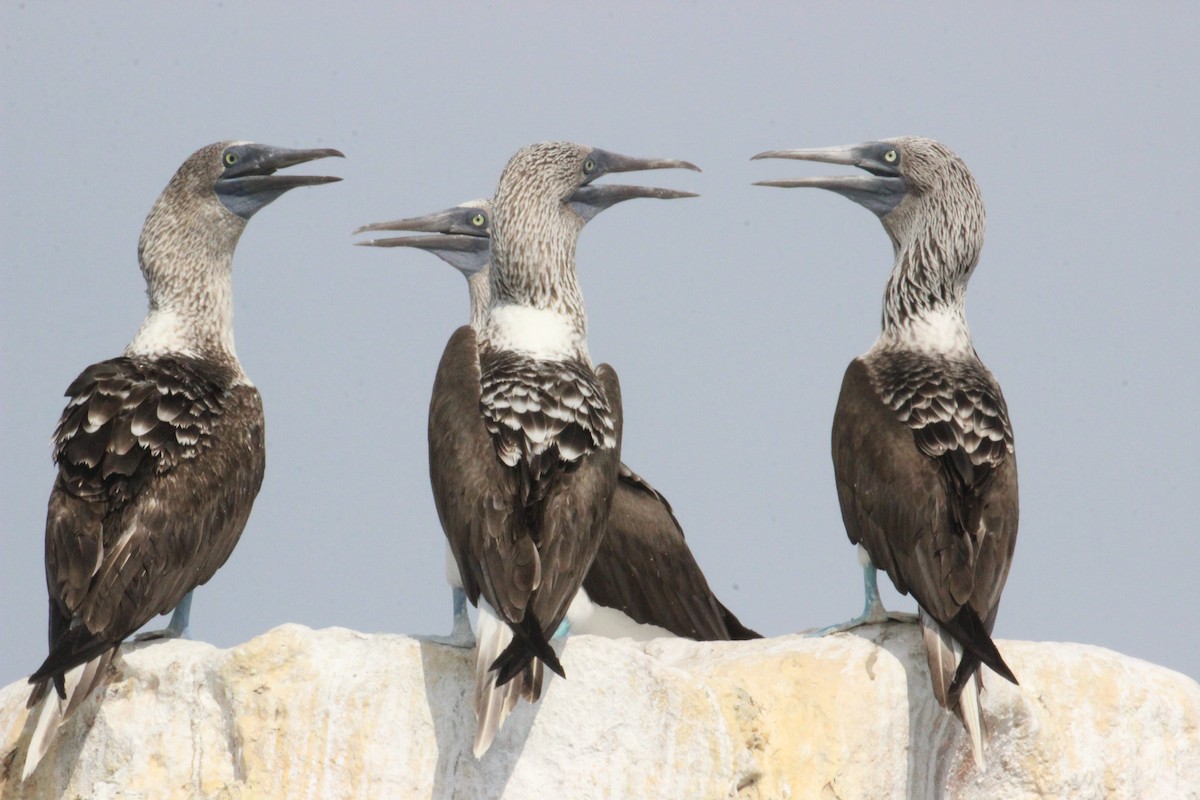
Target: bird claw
{"x":458,"y":639}
{"x":874,"y":614}
{"x":177,"y":628}
{"x":165,"y":633}
{"x":873,"y":611}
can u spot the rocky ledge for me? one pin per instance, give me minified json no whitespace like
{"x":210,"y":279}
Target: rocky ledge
{"x":299,"y":713}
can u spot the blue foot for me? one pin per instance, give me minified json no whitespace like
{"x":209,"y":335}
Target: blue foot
{"x":873,"y":611}
{"x":461,"y":635}
{"x":177,"y":628}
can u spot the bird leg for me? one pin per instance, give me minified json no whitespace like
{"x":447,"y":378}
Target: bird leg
{"x":873,"y":611}
{"x":461,"y":635}
{"x":177,"y":628}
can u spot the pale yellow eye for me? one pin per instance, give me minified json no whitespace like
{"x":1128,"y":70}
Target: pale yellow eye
{"x":478,"y":220}
{"x":589,"y":166}
{"x":231,"y":158}
{"x":890,"y":156}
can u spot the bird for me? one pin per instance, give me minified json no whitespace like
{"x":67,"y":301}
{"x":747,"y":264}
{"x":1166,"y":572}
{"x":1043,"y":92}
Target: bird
{"x":160,"y":451}
{"x":524,"y":432}
{"x":644,"y":581}
{"x":923,"y":449}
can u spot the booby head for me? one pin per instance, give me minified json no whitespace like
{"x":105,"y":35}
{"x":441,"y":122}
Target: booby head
{"x":462,"y":235}
{"x":187,"y":243}
{"x":562,"y":174}
{"x":917,"y":187}
{"x":547,"y":193}
{"x":467,"y":228}
{"x":208,"y":201}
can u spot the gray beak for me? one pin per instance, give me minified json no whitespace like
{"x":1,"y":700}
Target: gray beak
{"x":880,"y":192}
{"x":253,"y":184}
{"x":451,"y":220}
{"x":607,"y":162}
{"x":457,"y":240}
{"x":590,"y":199}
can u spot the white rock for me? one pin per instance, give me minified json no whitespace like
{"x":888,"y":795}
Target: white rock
{"x":297,"y":713}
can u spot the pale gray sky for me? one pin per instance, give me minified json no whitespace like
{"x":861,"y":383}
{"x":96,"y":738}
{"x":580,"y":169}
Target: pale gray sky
{"x":729,"y":318}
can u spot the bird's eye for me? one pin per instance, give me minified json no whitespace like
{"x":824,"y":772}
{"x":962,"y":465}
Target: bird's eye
{"x":890,"y":156}
{"x":231,"y":158}
{"x":478,"y":220}
{"x":589,"y":166}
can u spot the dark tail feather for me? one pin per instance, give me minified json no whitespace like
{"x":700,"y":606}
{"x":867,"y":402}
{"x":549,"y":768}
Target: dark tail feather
{"x":529,"y":642}
{"x":968,"y":630}
{"x":77,"y":646}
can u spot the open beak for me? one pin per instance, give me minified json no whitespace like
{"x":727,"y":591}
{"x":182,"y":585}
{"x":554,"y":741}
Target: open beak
{"x":591,"y":198}
{"x":460,"y":236}
{"x":880,"y":191}
{"x":253,"y":184}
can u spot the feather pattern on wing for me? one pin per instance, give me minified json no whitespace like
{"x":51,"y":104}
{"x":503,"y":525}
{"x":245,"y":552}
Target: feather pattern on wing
{"x":159,"y":462}
{"x":546,"y":414}
{"x":950,"y":404}
{"x":522,"y":535}
{"x":939,"y":517}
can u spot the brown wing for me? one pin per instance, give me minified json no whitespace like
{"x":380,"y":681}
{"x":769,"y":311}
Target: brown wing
{"x":943,"y":528}
{"x":475,"y":494}
{"x":523,"y":535}
{"x":645,"y":569}
{"x":574,"y":516}
{"x":159,"y":464}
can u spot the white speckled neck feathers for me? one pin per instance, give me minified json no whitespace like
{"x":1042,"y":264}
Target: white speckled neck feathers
{"x":540,"y":395}
{"x":937,"y":234}
{"x":186,"y":255}
{"x":533,"y":278}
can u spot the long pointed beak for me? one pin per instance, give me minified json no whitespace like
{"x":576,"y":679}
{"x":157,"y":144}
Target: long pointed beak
{"x":591,"y":199}
{"x":615,"y":162}
{"x":257,"y":173}
{"x":850,"y":155}
{"x":447,"y":221}
{"x":456,"y":238}
{"x":282,"y":157}
{"x":456,"y":242}
{"x":880,"y":192}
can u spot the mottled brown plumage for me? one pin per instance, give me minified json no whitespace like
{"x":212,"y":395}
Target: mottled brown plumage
{"x":521,"y":557}
{"x":160,"y":452}
{"x":922,"y":444}
{"x":159,"y":462}
{"x":941,"y":525}
{"x":644,"y":568}
{"x":525,"y":434}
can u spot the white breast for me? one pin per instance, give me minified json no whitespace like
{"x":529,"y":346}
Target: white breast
{"x":940,"y":331}
{"x":539,"y":333}
{"x":162,"y":332}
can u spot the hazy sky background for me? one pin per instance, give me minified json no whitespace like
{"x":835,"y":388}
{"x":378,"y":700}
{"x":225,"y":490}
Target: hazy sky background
{"x":730,"y":318}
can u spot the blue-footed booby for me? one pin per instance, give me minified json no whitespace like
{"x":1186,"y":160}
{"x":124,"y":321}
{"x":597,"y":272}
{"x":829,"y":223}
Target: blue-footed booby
{"x":644,"y":581}
{"x":524,"y":433}
{"x":922,"y":444}
{"x":160,"y":451}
